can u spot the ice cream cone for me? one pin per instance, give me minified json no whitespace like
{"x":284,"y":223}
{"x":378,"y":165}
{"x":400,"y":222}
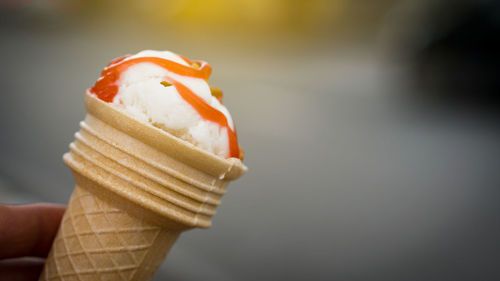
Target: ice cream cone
{"x":137,"y":188}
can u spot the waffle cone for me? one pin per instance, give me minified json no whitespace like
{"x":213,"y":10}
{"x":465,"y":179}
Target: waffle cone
{"x":137,"y":188}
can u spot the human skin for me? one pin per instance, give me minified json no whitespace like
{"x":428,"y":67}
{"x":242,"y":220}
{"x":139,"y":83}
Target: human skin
{"x":26,"y":235}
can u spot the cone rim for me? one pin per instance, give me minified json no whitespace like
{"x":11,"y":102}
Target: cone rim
{"x":184,"y":151}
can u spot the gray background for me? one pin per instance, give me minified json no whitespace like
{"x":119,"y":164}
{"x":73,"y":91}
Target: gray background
{"x":349,"y":177}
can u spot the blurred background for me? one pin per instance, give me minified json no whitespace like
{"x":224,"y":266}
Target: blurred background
{"x":371,"y":128}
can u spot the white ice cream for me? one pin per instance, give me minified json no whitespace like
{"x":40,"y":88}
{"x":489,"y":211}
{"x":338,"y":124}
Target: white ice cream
{"x":142,"y":95}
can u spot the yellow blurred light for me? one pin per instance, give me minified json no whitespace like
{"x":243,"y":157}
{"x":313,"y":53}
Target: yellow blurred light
{"x":249,"y":14}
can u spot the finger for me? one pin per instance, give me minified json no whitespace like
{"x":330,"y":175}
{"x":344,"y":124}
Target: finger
{"x":28,"y":230}
{"x":21,"y":269}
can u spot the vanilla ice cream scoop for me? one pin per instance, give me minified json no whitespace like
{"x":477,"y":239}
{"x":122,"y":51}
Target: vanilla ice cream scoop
{"x":172,"y":93}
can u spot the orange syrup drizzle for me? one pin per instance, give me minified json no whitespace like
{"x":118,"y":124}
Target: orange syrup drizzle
{"x":106,"y":89}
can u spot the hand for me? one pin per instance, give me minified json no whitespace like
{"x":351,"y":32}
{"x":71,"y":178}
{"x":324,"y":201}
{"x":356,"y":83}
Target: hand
{"x":26,"y":235}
